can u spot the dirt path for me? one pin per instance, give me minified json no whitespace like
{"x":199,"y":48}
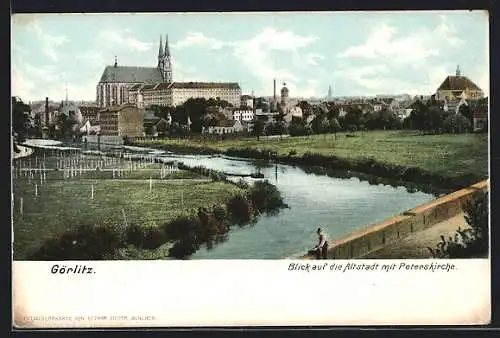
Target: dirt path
{"x":415,"y":246}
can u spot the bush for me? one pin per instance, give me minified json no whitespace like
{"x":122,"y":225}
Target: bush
{"x":456,"y":124}
{"x":266,"y":197}
{"x":471,"y":242}
{"x":86,"y":242}
{"x":240,"y":209}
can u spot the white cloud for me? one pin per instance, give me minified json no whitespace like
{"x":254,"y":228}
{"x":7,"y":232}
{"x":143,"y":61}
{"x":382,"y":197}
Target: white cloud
{"x":33,"y":83}
{"x":384,"y":43}
{"x":113,"y":37}
{"x":313,"y":58}
{"x":22,"y":86}
{"x":94,"y":57}
{"x":389,"y":56}
{"x":49,"y":43}
{"x":198,"y":39}
{"x":256,"y":55}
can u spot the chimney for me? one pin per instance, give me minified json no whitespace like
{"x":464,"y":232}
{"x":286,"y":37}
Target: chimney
{"x":46,"y":111}
{"x":274,"y":89}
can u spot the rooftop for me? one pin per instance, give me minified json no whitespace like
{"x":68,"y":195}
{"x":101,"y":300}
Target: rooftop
{"x":458,"y":83}
{"x":131,"y":74}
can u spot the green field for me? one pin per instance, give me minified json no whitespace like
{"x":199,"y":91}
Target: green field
{"x":445,"y":154}
{"x":62,"y":204}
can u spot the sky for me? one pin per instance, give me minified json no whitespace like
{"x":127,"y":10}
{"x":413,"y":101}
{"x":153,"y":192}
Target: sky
{"x":356,"y":53}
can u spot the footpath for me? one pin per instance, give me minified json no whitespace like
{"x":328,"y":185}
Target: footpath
{"x":415,"y":246}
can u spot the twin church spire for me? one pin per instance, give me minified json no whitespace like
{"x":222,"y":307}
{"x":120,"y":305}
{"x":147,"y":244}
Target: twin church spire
{"x":164,"y":62}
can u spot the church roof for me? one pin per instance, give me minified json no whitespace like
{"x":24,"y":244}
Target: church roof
{"x":205,"y":85}
{"x":131,"y":74}
{"x":457,"y":83}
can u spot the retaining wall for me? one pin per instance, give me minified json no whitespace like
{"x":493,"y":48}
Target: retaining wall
{"x":377,"y":236}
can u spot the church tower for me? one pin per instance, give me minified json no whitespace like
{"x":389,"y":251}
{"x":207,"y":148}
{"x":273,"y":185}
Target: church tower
{"x":167,"y":63}
{"x":161,"y":63}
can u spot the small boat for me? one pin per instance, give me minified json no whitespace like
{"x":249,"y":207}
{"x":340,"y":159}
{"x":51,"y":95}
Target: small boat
{"x":257,"y":175}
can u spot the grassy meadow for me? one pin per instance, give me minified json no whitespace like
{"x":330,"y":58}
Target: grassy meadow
{"x":61,"y":203}
{"x":444,"y":154}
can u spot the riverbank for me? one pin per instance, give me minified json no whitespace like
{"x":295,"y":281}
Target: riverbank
{"x":443,"y":161}
{"x":48,"y":205}
{"x":416,"y":245}
{"x":23,"y":151}
{"x":408,"y":234}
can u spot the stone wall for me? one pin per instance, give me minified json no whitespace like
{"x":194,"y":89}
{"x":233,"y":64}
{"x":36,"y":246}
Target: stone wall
{"x":375,"y":237}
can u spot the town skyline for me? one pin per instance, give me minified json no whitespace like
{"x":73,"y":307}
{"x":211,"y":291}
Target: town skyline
{"x":387,"y":53}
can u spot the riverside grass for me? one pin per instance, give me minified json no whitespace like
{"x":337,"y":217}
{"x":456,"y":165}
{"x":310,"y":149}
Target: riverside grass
{"x":64,"y":204}
{"x":444,"y":154}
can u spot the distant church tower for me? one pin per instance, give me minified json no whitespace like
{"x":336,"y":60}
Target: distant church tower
{"x":164,"y":61}
{"x":458,"y":72}
{"x":329,"y":93}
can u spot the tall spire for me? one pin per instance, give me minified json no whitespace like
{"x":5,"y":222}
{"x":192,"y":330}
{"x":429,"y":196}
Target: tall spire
{"x":167,"y":50}
{"x":160,"y":50}
{"x":66,"y":92}
{"x":458,"y":71}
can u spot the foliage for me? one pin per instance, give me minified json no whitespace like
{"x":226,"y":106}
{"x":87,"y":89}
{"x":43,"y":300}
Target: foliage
{"x":276,"y":128}
{"x":85,"y":242}
{"x":427,"y":117}
{"x":466,"y":111}
{"x":473,"y":241}
{"x":456,"y":124}
{"x":240,"y":209}
{"x":265,"y":197}
{"x":20,"y":118}
{"x":258,"y":128}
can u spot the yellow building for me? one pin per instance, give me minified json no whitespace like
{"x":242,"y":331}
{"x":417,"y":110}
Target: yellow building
{"x":458,"y":87}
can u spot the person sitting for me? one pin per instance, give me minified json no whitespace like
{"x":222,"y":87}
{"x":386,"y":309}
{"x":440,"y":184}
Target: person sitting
{"x":322,"y":248}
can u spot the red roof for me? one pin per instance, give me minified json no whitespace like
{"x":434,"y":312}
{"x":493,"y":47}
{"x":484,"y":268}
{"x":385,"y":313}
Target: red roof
{"x":458,"y":83}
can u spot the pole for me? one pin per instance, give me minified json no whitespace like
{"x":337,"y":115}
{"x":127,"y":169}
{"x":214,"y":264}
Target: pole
{"x":150,"y":184}
{"x":36,"y":190}
{"x":124,"y":217}
{"x":21,"y":205}
{"x":92,"y":192}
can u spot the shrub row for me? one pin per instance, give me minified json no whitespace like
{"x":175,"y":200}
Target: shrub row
{"x":189,"y":232}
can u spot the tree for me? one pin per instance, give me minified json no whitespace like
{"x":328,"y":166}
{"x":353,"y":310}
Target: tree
{"x":334,"y":126}
{"x":466,"y":111}
{"x":353,"y":117}
{"x":20,"y":119}
{"x":472,"y":242}
{"x":456,"y":124}
{"x":258,"y":128}
{"x":319,"y":124}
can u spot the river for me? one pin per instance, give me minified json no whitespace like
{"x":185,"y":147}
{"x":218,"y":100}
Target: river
{"x":339,"y":205}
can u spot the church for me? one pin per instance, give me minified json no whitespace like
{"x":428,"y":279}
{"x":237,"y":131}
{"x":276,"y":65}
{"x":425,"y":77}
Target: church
{"x":146,"y":86}
{"x":113,"y":87}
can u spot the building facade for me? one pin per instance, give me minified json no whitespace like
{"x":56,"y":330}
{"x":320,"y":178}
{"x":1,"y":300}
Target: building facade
{"x":458,"y":87}
{"x":122,"y":121}
{"x":176,"y":93}
{"x":113,"y":87}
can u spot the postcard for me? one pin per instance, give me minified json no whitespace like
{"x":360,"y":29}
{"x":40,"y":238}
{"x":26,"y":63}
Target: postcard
{"x":255,"y":169}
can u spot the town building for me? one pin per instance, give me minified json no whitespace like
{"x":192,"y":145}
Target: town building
{"x":121,"y":121}
{"x":176,"y":93}
{"x":113,"y":87}
{"x":246,"y":101}
{"x":458,"y":87}
{"x":227,"y":127}
{"x":244,"y":115}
